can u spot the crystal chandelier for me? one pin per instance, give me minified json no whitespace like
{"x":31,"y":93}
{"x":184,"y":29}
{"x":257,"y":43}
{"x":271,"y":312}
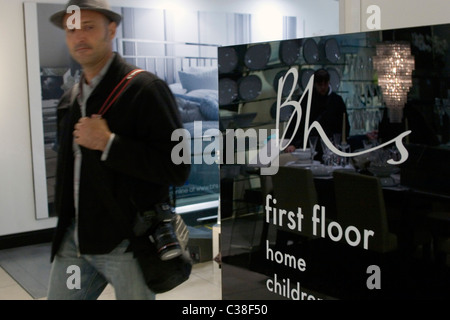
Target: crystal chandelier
{"x":394,"y":64}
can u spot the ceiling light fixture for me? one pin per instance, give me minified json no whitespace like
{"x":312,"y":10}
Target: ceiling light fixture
{"x":394,"y":64}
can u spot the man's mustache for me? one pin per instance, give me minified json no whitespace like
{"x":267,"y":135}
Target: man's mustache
{"x":82,"y":46}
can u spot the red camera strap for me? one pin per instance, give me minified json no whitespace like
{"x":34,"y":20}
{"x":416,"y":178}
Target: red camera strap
{"x":114,"y":95}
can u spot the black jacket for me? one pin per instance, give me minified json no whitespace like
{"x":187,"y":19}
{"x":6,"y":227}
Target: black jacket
{"x":138,"y":170}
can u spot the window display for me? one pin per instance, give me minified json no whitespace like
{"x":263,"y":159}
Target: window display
{"x":356,"y":224}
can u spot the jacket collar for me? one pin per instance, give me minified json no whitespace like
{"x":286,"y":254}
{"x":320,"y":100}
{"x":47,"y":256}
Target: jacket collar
{"x":115,"y":73}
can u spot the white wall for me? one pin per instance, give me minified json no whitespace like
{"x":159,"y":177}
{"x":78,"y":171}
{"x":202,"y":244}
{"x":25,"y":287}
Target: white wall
{"x":17,"y":207}
{"x":394,"y":13}
{"x":17,"y":210}
{"x":410,"y":13}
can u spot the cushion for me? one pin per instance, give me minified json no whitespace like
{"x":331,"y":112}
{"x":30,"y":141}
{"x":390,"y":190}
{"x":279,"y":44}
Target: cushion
{"x":204,"y":93}
{"x":199,"y":79}
{"x":209,"y":107}
{"x":177,"y":88}
{"x":189,"y":110}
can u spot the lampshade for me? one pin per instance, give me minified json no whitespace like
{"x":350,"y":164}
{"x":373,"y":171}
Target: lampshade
{"x":394,"y":64}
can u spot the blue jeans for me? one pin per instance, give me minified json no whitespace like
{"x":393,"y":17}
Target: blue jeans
{"x":94,"y":272}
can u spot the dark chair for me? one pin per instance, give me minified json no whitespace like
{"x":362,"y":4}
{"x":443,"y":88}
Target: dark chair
{"x":247,"y":196}
{"x":360,"y":203}
{"x":439,"y":223}
{"x":294,"y":188}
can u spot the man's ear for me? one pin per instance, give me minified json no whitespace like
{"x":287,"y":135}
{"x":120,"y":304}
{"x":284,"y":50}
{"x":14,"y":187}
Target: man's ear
{"x":112,"y":28}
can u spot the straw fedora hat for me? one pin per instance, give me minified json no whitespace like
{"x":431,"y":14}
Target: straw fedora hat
{"x":101,"y":6}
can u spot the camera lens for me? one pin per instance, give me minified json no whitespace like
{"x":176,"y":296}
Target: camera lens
{"x":166,"y":241}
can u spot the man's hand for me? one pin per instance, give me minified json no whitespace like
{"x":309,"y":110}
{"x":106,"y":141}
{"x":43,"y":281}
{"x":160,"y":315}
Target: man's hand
{"x":92,"y":133}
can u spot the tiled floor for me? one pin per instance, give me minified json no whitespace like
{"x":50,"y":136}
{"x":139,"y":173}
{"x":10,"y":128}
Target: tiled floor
{"x":203,"y":284}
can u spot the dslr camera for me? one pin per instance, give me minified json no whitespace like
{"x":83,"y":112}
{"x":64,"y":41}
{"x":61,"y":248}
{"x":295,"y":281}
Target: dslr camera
{"x":160,"y":226}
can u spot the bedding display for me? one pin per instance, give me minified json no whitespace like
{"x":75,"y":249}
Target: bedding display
{"x":197,"y":98}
